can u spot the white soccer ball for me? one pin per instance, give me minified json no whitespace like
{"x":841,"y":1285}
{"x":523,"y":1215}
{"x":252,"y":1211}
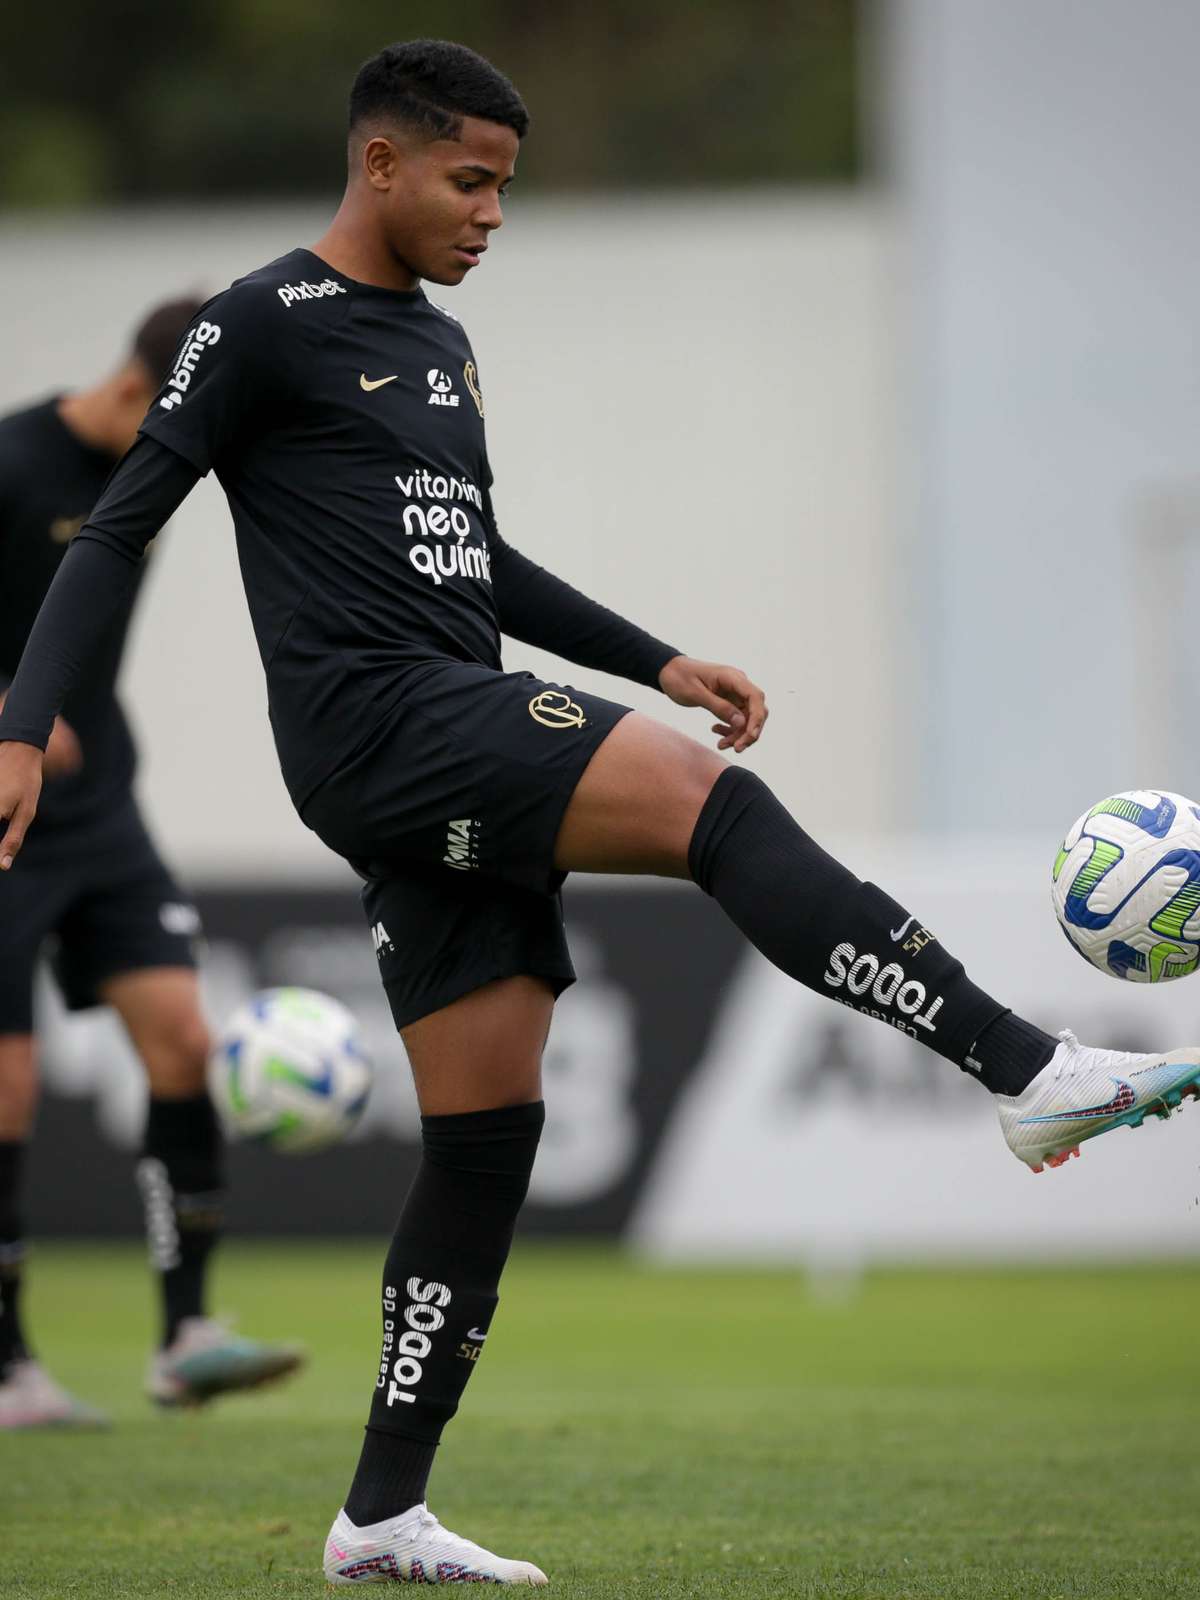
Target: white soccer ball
{"x":290,"y":1069}
{"x":1126,"y":885}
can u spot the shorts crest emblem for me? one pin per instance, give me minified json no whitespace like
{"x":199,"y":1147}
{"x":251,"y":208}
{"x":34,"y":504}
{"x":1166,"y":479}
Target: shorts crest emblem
{"x":553,"y":709}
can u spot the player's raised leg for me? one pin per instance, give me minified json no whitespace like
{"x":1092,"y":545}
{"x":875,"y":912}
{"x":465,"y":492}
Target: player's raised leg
{"x":477,"y":1068}
{"x":181,"y":1179}
{"x":654,"y":801}
{"x":29,"y":1396}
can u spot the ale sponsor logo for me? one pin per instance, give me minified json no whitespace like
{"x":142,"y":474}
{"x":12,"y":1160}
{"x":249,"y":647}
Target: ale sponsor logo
{"x":442,"y":385}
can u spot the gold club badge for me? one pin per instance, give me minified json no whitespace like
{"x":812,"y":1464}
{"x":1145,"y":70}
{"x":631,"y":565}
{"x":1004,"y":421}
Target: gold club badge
{"x":553,"y":709}
{"x":471,"y":378}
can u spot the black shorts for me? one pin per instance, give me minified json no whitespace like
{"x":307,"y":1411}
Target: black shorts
{"x":450,"y":814}
{"x":97,"y":898}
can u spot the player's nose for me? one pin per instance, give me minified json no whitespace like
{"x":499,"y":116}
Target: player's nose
{"x":489,"y":214}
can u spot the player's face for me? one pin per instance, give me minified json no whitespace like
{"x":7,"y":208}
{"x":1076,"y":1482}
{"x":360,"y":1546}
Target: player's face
{"x":444,"y":200}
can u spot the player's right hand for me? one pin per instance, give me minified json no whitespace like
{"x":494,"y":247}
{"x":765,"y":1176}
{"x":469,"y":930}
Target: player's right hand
{"x":20,"y":786}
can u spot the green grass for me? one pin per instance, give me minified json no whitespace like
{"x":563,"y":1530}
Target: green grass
{"x":648,"y":1433}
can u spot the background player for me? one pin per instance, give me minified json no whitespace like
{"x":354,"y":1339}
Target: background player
{"x":343,"y":414}
{"x":121,"y":927}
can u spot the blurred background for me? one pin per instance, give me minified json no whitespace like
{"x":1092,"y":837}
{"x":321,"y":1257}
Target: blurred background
{"x":852,"y":343}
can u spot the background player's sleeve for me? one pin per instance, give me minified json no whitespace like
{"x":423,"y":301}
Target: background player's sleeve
{"x":92,"y":583}
{"x":228,"y":378}
{"x":539,"y":609}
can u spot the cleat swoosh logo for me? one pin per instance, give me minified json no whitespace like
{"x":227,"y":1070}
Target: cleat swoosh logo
{"x":1124,"y":1100}
{"x":375,"y":383}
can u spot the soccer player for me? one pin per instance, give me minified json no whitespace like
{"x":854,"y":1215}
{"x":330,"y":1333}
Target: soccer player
{"x":93,"y":882}
{"x":342,"y":412}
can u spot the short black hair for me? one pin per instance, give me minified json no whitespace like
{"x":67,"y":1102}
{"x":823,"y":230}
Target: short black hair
{"x":430,"y":85}
{"x":158,"y":335}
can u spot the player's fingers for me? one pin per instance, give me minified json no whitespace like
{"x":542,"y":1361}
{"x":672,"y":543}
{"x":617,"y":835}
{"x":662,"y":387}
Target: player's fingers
{"x":756,"y":716}
{"x":720,"y":707}
{"x":14,"y":836}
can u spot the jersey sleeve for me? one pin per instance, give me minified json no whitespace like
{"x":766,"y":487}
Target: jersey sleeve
{"x":230,"y":376}
{"x":535,"y":607}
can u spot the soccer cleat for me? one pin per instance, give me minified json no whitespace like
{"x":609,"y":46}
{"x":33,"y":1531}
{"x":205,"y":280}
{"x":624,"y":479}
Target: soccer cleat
{"x":206,"y":1359}
{"x":415,"y":1548}
{"x":30,"y":1398}
{"x":1082,"y":1091}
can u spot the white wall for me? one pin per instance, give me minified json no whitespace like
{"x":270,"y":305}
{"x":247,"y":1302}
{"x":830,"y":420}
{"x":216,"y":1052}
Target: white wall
{"x":1046,"y":164}
{"x":690,"y":416}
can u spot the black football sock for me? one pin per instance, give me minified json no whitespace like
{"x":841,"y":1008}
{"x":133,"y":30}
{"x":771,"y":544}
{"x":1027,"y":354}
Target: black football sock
{"x":847,"y":939}
{"x":181,"y":1179}
{"x":440,"y":1283}
{"x":12,"y":1253}
{"x":1009,"y":1054}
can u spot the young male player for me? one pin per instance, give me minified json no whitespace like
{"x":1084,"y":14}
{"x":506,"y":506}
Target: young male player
{"x":342,"y":412}
{"x":93,"y":882}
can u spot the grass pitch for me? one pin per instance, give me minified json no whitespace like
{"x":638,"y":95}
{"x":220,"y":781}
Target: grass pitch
{"x":647,"y":1433}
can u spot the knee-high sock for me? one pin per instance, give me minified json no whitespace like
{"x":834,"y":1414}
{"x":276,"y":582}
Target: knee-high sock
{"x":12,"y":1253}
{"x":849,"y":940}
{"x":181,"y":1179}
{"x":440,"y":1283}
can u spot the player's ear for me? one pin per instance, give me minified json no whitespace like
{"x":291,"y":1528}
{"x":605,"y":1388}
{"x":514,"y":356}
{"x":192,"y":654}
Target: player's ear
{"x":379,"y":161}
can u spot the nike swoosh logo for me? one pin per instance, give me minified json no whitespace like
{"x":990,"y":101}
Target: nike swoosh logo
{"x":375,"y":383}
{"x":1124,"y":1100}
{"x":901,"y":930}
{"x":474,"y":1333}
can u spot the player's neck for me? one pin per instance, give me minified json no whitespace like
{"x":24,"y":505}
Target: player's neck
{"x":352,"y":247}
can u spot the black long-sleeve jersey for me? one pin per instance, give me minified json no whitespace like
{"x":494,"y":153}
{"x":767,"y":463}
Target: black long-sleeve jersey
{"x":345,"y":424}
{"x":49,"y":482}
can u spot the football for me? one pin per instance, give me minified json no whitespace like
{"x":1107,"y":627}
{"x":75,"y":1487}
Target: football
{"x":1126,"y":885}
{"x":290,"y":1069}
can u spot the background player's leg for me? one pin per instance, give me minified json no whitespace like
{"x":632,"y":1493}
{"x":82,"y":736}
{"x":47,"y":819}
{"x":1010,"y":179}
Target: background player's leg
{"x":180,"y":1173}
{"x":181,"y":1177}
{"x":18,"y":1101}
{"x":652,"y":800}
{"x":29,"y":1396}
{"x":477,"y":1068}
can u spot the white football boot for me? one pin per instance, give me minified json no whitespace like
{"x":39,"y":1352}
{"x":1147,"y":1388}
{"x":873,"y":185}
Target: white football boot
{"x":30,"y":1398}
{"x":415,"y":1548}
{"x":206,"y":1358}
{"x":1082,"y":1091}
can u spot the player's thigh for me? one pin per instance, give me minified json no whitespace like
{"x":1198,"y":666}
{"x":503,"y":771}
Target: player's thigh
{"x":33,"y":900}
{"x":18,"y":1085}
{"x":484,"y":1050}
{"x":636,"y":805}
{"x":471,"y":968}
{"x":162,"y":1014}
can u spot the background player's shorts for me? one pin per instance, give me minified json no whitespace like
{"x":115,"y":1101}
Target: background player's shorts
{"x":97,"y":898}
{"x":450,"y":813}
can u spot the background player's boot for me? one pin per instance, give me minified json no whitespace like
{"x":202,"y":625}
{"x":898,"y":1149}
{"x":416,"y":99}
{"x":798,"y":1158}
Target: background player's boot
{"x":1082,"y":1091}
{"x":415,"y":1548}
{"x":30,"y":1398}
{"x":206,"y":1359}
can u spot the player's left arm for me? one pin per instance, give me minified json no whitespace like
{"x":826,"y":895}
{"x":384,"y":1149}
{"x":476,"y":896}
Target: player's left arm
{"x":539,"y":609}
